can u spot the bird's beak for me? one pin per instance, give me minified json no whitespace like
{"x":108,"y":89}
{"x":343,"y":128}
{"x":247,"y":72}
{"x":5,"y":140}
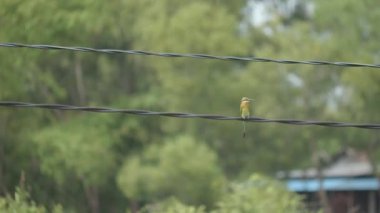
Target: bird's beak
{"x":251,"y":99}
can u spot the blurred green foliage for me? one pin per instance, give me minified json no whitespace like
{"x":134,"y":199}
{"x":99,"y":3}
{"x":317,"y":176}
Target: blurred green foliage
{"x":91,"y":162}
{"x":259,"y":194}
{"x":172,"y":205}
{"x":66,"y":152}
{"x":20,"y":203}
{"x":181,"y":167}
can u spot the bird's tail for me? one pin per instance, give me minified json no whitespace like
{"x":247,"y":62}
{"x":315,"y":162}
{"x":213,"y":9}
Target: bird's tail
{"x":243,"y":129}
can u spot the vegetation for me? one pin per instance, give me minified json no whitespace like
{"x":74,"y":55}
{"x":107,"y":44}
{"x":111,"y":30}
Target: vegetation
{"x":88,"y":162}
{"x":19,"y":203}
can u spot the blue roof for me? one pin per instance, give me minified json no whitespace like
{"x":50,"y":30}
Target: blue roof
{"x":333,"y":184}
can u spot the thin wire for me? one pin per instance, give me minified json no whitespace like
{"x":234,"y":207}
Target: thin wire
{"x":188,"y":55}
{"x":185,"y":115}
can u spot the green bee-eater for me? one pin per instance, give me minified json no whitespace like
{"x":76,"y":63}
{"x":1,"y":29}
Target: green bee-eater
{"x":245,"y":110}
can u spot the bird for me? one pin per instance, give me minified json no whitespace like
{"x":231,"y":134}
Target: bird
{"x":245,"y":110}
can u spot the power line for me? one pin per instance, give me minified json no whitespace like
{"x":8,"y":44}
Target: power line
{"x":187,"y":55}
{"x":185,"y":115}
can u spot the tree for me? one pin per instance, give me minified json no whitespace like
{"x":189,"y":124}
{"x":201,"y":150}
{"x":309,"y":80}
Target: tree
{"x":69,"y":156}
{"x":20,"y":204}
{"x":260,"y":194}
{"x":172,"y":205}
{"x":166,"y":170}
{"x":62,"y":160}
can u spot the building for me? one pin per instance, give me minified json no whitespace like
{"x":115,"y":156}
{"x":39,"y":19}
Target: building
{"x":348,"y":182}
